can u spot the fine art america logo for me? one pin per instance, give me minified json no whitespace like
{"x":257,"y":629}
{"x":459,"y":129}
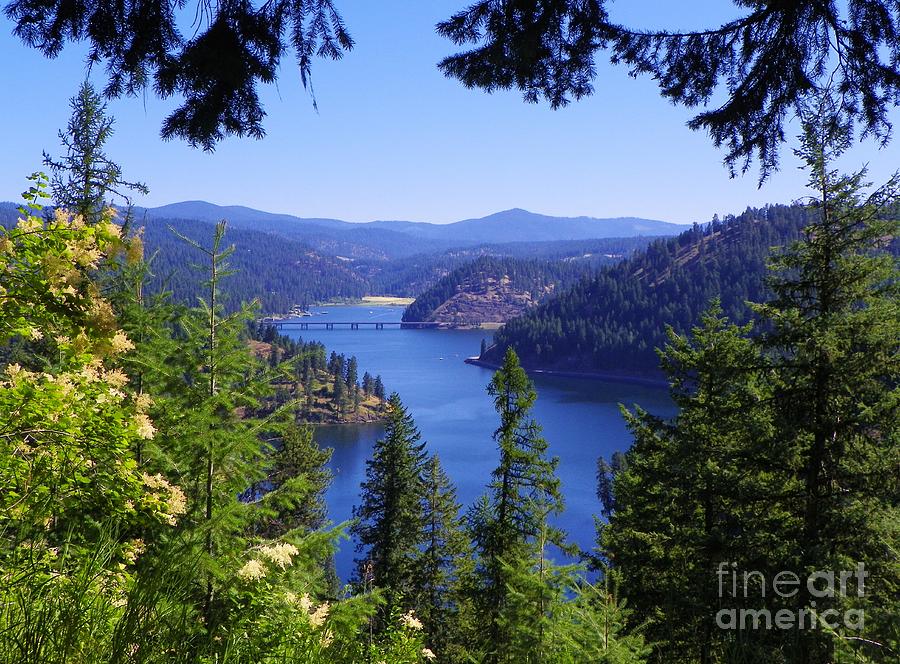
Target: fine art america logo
{"x":820,"y":585}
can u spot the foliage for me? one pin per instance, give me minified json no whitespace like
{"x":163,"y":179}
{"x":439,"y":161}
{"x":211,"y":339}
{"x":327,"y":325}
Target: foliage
{"x":144,"y":47}
{"x":510,"y":525}
{"x":86,"y":177}
{"x":62,"y":463}
{"x":444,"y":558}
{"x":749,"y":74}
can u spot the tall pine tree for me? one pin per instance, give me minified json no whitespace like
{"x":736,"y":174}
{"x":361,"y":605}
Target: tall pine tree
{"x":835,"y":320}
{"x":389,"y":519}
{"x":510,"y":525}
{"x":445,"y":553}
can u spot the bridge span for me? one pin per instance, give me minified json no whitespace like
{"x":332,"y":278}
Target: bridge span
{"x":299,"y":324}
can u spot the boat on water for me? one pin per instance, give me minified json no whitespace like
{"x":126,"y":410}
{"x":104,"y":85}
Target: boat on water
{"x":297,"y":311}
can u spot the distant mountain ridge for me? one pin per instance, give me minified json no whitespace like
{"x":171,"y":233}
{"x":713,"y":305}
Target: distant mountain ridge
{"x":506,"y":226}
{"x":283,"y":262}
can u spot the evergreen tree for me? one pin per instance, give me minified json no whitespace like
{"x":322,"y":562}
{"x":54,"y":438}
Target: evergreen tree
{"x":389,"y":518}
{"x":300,"y":465}
{"x":445,"y":551}
{"x":783,"y":455}
{"x":86,"y":177}
{"x":352,"y":382}
{"x":367,"y":383}
{"x":217,"y":452}
{"x":339,"y":395}
{"x":835,"y":320}
{"x":748,"y":74}
{"x":378,"y":388}
{"x":706,"y":467}
{"x":606,"y":475}
{"x":510,"y":526}
{"x":352,"y":372}
{"x":336,"y":365}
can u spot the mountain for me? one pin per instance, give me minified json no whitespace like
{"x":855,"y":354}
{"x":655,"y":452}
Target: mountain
{"x":614,"y":321}
{"x":529,"y":226}
{"x":492,"y":290}
{"x":235,"y":214}
{"x":330,"y":236}
{"x":390,"y":237}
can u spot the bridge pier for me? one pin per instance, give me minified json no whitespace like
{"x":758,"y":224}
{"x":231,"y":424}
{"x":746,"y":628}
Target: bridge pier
{"x":329,"y":326}
{"x":354,"y":326}
{"x":379,"y":326}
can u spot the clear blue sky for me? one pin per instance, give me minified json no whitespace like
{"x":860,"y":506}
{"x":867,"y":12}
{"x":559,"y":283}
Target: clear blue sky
{"x":394,"y":139}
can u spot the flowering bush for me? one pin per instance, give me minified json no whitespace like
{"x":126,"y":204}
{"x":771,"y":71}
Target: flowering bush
{"x":67,"y":424}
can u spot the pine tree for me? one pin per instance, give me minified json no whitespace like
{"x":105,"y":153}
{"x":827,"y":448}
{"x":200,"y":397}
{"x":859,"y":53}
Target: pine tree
{"x":835,"y":320}
{"x":784,"y":453}
{"x":705,"y":468}
{"x":510,"y":526}
{"x":300,"y":467}
{"x":378,"y":388}
{"x":445,"y":552}
{"x":352,"y":372}
{"x":352,"y":382}
{"x":339,"y":395}
{"x":389,"y":518}
{"x":86,"y":177}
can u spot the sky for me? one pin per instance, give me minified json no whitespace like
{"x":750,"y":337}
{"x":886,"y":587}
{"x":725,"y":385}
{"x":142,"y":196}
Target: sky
{"x":394,"y":139}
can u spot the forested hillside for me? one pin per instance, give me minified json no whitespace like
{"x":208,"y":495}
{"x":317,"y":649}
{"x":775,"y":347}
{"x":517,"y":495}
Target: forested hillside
{"x":614,"y":321}
{"x":320,"y":388}
{"x":412,"y":276}
{"x":492,"y":289}
{"x":277,"y":271}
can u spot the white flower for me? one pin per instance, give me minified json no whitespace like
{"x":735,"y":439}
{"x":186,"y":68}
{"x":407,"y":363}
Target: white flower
{"x":317,"y":619}
{"x":279,"y":554}
{"x":427,"y":654}
{"x":29,"y":224}
{"x":113,"y":229}
{"x":121,"y":343}
{"x":115,"y":377}
{"x":253,"y":570}
{"x":145,"y":428}
{"x":410,"y":621}
{"x":142,"y":402}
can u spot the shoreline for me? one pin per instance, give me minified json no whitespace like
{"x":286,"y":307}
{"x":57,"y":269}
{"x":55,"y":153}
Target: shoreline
{"x":608,"y":377}
{"x":368,"y":301}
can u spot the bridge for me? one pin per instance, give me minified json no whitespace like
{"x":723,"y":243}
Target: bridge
{"x":300,"y":324}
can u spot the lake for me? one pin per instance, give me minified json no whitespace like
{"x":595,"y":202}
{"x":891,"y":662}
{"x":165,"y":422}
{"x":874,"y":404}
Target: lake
{"x":448,"y":400}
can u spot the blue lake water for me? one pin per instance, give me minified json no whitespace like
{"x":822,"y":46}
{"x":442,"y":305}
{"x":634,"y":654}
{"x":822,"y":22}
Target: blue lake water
{"x":448,"y":399}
